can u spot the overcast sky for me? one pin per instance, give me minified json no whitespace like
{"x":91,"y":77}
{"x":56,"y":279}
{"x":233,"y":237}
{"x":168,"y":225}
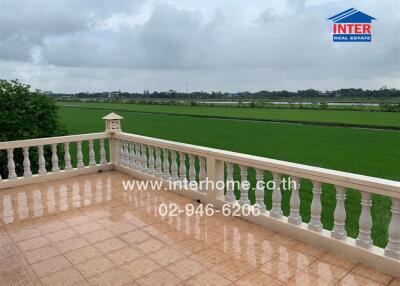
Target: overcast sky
{"x":230,"y":45}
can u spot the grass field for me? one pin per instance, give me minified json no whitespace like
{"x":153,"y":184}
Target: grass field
{"x":360,"y":118}
{"x":362,"y":151}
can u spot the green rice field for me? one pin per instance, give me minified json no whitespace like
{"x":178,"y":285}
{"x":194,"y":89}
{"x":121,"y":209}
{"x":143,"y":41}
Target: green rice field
{"x":362,"y":151}
{"x":374,"y":119}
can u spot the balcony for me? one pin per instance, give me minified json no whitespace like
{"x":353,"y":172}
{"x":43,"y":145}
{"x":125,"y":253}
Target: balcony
{"x":81,"y":226}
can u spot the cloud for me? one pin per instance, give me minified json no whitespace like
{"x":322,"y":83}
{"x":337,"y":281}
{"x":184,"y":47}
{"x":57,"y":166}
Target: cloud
{"x":228,"y":46}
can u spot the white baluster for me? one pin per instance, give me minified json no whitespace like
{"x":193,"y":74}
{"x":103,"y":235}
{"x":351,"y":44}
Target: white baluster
{"x":229,"y":196}
{"x":316,"y":208}
{"x":203,"y":174}
{"x":27,"y":163}
{"x":339,"y":229}
{"x":393,"y":246}
{"x":103,"y":158}
{"x":144,"y":157}
{"x":126,"y":154}
{"x":158,"y":163}
{"x":166,"y":174}
{"x":260,"y":204}
{"x":79,"y":155}
{"x":132,"y":155}
{"x":11,"y":164}
{"x":182,"y":167}
{"x":138,"y":159}
{"x":365,"y":224}
{"x":151,"y":160}
{"x":54,"y":158}
{"x":67,"y":157}
{"x":294,"y":216}
{"x":244,"y":186}
{"x":174,"y":166}
{"x":92,"y":159}
{"x":1,"y":178}
{"x":192,"y":169}
{"x":276,"y":210}
{"x":121,"y":153}
{"x":42,"y":161}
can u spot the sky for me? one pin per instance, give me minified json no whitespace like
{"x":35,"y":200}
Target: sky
{"x":226,"y":45}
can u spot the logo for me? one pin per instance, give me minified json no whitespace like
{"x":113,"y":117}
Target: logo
{"x":352,"y":26}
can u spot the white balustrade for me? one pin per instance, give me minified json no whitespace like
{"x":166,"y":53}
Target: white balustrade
{"x":144,"y":157}
{"x":158,"y":163}
{"x":151,"y":160}
{"x":138,"y":158}
{"x":103,"y":159}
{"x":229,"y":196}
{"x":174,"y":166}
{"x":294,"y":216}
{"x":260,"y":190}
{"x":393,"y":246}
{"x":192,"y":169}
{"x":339,"y":229}
{"x":11,"y":164}
{"x":365,"y":223}
{"x":244,"y":186}
{"x":165,"y":166}
{"x":54,"y":159}
{"x":42,"y":161}
{"x":132,"y":155}
{"x":121,"y":153}
{"x":276,"y":210}
{"x":126,"y":154}
{"x":182,"y":167}
{"x":67,"y":157}
{"x":92,"y":158}
{"x":79,"y":155}
{"x":27,"y":163}
{"x":316,"y":208}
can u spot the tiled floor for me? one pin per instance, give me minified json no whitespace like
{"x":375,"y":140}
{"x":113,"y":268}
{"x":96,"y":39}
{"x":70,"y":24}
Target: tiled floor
{"x":88,"y":231}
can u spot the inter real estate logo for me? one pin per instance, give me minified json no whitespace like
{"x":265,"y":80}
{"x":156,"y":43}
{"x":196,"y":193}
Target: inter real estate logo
{"x":352,"y":26}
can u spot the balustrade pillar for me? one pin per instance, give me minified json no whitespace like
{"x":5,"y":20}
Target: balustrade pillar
{"x":92,"y":158}
{"x":79,"y":155}
{"x":11,"y":164}
{"x":276,"y":210}
{"x":27,"y":163}
{"x":393,"y":246}
{"x":229,"y":196}
{"x":54,"y":158}
{"x":365,"y":223}
{"x":182,"y":167}
{"x":294,"y":216}
{"x":339,"y":229}
{"x":151,"y":160}
{"x":138,"y":159}
{"x":67,"y":157}
{"x":144,"y":157}
{"x":244,"y":186}
{"x":42,"y":161}
{"x":103,"y":158}
{"x":166,"y":174}
{"x":126,"y":154}
{"x":260,"y":190}
{"x":132,"y":163}
{"x":202,"y":173}
{"x":158,"y":163}
{"x":121,"y":153}
{"x":316,"y":208}
{"x":192,"y":169}
{"x":174,"y":166}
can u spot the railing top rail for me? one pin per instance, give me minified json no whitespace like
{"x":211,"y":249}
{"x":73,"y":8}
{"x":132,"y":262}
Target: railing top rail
{"x":52,"y":140}
{"x":349,"y":180}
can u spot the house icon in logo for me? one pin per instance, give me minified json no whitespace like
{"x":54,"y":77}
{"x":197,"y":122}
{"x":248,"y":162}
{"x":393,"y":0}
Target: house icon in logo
{"x":351,"y":26}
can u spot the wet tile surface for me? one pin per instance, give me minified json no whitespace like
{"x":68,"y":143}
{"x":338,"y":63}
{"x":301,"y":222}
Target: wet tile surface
{"x":88,"y":231}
